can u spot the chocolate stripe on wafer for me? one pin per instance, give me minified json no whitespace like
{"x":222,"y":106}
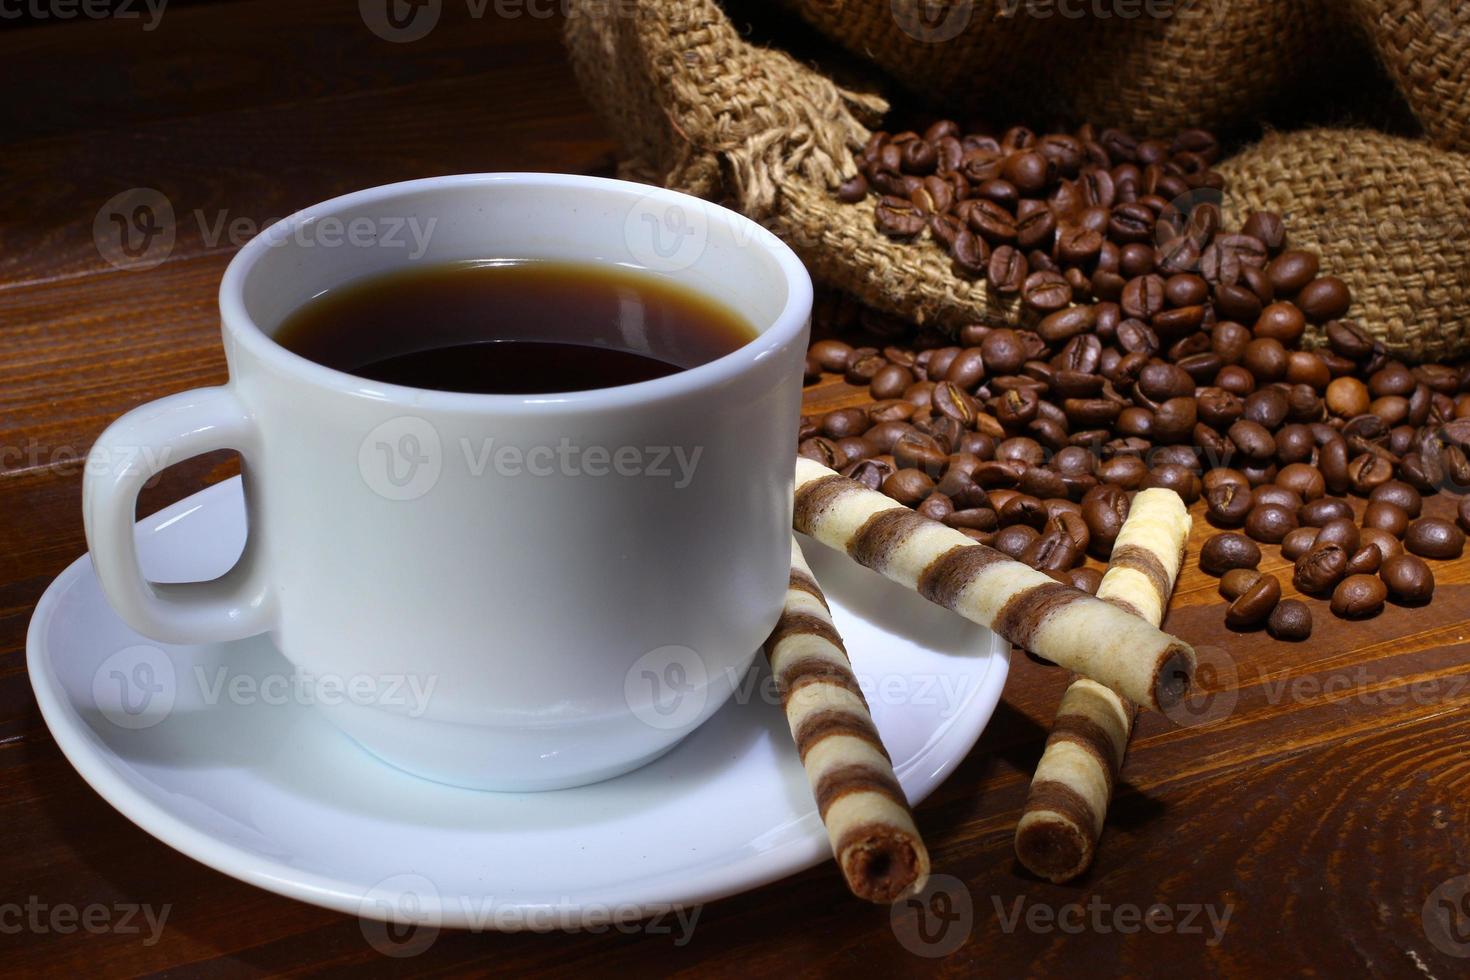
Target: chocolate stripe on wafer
{"x":1057,"y":835}
{"x":858,"y":797}
{"x":1056,"y":622}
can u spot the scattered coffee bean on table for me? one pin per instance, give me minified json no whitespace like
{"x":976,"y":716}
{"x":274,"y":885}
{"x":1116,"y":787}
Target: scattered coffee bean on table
{"x":1291,"y":621}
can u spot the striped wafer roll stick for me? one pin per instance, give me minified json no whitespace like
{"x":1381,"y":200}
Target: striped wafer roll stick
{"x":1064,"y":813}
{"x":862,"y":806}
{"x":1057,"y":622}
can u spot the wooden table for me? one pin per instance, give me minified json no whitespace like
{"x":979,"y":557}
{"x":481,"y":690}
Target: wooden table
{"x":1318,"y":801}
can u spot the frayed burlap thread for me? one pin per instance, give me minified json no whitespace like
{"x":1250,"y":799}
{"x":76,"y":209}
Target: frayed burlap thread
{"x":1391,"y":216}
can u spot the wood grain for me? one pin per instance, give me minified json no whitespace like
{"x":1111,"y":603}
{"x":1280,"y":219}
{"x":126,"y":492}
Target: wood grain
{"x":1319,"y":793}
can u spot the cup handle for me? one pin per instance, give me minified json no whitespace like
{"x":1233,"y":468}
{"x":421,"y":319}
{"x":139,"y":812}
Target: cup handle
{"x":134,"y":448}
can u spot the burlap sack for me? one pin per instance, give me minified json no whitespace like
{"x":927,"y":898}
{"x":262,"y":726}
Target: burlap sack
{"x":1151,"y":66}
{"x":1425,"y":47}
{"x":1390,"y":216}
{"x":698,"y":108}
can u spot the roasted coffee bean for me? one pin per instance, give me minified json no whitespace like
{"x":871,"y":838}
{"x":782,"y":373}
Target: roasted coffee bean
{"x":1127,"y":472}
{"x":1236,"y":380}
{"x":1319,"y":513}
{"x":918,"y":450}
{"x":1307,"y":368}
{"x":1172,"y":476}
{"x":1319,"y":570}
{"x":1281,"y":321}
{"x":1302,"y":479}
{"x":1408,"y":579}
{"x":1332,"y":460}
{"x":1228,"y":504}
{"x":945,"y":430}
{"x":1323,"y":299}
{"x":1003,"y":352}
{"x":822,"y":450}
{"x":1267,"y":228}
{"x":861,"y":370}
{"x":1047,"y":292}
{"x":1254,"y":605}
{"x":890,"y":382}
{"x":1359,"y":596}
{"x":1290,"y":621}
{"x":1059,"y":327}
{"x":1347,"y":397}
{"x":1385,"y":516}
{"x":854,"y":448}
{"x":898,"y":217}
{"x":969,"y":254}
{"x":1235,"y":582}
{"x":812,"y":370}
{"x":1387,"y":545}
{"x":1275,"y":495}
{"x":973,"y":518}
{"x":1222,"y":552}
{"x":1266,"y":358}
{"x":885,"y":435}
{"x":1085,"y":579}
{"x":1292,"y":270}
{"x":1367,"y":471}
{"x":1266,"y":407}
{"x":1349,"y":340}
{"x":1294,"y":444}
{"x":940,"y":361}
{"x":1252,"y":439}
{"x":908,"y":486}
{"x":1174,"y":420}
{"x":1053,"y":551}
{"x":845,"y":422}
{"x":853,"y":189}
{"x":1342,"y":532}
{"x":1014,"y":540}
{"x":1269,"y":523}
{"x":936,"y":507}
{"x":1298,"y":542}
{"x":1401,"y":495}
{"x":1365,"y":561}
{"x":1258,"y":474}
{"x":833,"y":355}
{"x":1431,"y":537}
{"x":870,"y":473}
{"x":1136,"y":337}
{"x":1103,"y":511}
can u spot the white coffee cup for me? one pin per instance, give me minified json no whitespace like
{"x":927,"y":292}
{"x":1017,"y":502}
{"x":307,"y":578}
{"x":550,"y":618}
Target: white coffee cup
{"x":576,"y":580}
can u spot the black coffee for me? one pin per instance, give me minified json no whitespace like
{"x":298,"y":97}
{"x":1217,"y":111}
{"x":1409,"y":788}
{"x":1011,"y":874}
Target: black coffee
{"x":513,"y":327}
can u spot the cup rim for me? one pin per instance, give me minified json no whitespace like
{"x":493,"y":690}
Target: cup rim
{"x":785,"y":329}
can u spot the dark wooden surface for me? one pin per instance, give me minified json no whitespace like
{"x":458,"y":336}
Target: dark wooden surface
{"x":1320,"y":795}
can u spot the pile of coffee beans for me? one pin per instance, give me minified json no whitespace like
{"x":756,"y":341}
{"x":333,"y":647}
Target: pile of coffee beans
{"x":1063,"y":217}
{"x":1162,"y":350}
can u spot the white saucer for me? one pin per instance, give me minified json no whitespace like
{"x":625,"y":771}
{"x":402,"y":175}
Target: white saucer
{"x":257,"y":784}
